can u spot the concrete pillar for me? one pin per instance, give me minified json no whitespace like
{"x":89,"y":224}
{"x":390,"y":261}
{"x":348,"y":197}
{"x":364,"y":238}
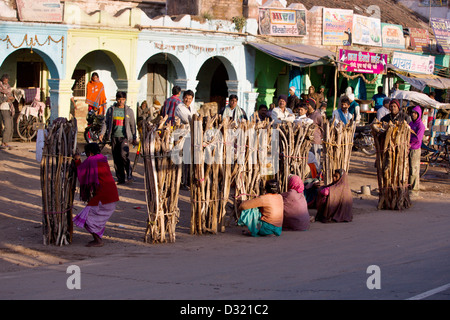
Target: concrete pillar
{"x":60,"y":94}
{"x":250,"y":100}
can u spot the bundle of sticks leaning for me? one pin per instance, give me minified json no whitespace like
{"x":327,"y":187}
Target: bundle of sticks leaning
{"x":253,"y":165}
{"x":294,"y":144}
{"x":392,"y":163}
{"x":337,"y":147}
{"x":58,"y":181}
{"x":162,"y":178}
{"x":210,"y":174}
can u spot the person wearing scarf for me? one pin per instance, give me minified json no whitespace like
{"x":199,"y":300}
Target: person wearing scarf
{"x":335,"y":201}
{"x":342,"y":113}
{"x":295,"y":209}
{"x":95,"y":95}
{"x":98,"y":189}
{"x":233,"y":111}
{"x":417,"y":132}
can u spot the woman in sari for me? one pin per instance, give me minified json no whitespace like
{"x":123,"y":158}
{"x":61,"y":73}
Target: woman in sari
{"x":95,"y":95}
{"x":295,"y":212}
{"x":335,"y":201}
{"x":263,"y":215}
{"x":98,"y":189}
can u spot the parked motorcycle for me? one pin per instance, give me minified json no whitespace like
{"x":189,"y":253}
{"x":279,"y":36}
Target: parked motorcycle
{"x":93,"y":128}
{"x":363,"y":140}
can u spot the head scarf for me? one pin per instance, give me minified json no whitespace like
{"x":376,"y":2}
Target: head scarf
{"x":296,"y":183}
{"x":88,"y":176}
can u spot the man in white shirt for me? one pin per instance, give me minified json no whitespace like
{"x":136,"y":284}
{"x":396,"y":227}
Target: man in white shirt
{"x":185,"y":110}
{"x":233,"y":111}
{"x":384,"y":110}
{"x":342,"y":114}
{"x":282,"y":113}
{"x":302,"y":118}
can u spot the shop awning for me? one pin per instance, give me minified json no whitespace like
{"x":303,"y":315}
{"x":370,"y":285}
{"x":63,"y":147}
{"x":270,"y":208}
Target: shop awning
{"x":420,"y":81}
{"x":299,"y":55}
{"x":419,"y":98}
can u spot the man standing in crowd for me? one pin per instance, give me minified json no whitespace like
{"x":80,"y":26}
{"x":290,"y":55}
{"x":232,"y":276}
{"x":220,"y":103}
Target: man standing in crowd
{"x":293,"y":101}
{"x":233,"y":111}
{"x":170,"y":105}
{"x":120,"y":127}
{"x":95,"y":95}
{"x":384,"y":110}
{"x":185,"y":111}
{"x":378,"y":98}
{"x":316,"y":116}
{"x":282,"y":112}
{"x":342,"y":113}
{"x":7,"y":110}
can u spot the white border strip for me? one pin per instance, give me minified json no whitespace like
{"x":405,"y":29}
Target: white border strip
{"x":430,"y":292}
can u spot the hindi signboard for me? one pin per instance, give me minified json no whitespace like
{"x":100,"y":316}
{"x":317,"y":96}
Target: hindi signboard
{"x":392,"y":36}
{"x":366,"y":31}
{"x":39,"y":10}
{"x":337,"y":27}
{"x":362,"y":62}
{"x":413,"y":62}
{"x":419,"y":38}
{"x":441,"y":29}
{"x":282,"y":22}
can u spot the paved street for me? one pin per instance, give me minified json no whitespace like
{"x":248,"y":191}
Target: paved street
{"x":328,"y":262}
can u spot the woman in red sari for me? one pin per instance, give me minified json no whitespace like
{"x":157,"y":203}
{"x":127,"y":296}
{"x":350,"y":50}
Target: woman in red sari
{"x":98,"y":189}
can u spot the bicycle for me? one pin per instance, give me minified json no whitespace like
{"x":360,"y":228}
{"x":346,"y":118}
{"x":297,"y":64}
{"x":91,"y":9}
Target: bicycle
{"x":439,"y":157}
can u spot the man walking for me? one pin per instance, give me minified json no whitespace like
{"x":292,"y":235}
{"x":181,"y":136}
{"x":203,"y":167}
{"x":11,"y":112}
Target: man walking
{"x":120,"y":129}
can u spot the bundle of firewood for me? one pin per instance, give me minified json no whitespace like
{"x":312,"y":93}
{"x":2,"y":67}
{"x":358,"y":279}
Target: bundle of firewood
{"x":337,"y":147}
{"x":392,"y":163}
{"x":253,"y":165}
{"x":58,"y":176}
{"x":162,"y":178}
{"x":295,"y":142}
{"x":210,"y":174}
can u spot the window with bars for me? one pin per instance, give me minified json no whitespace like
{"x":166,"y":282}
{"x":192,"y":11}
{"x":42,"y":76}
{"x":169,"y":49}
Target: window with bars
{"x":79,"y":87}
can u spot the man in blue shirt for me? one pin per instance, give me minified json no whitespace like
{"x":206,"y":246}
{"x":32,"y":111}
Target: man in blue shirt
{"x":378,"y":98}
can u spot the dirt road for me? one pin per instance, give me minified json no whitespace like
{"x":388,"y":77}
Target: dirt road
{"x":21,"y":245}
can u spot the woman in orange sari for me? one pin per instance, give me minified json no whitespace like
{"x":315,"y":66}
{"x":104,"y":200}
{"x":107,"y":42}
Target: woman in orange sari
{"x":95,"y":95}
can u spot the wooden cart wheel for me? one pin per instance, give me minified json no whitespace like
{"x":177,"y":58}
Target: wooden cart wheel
{"x":25,"y":127}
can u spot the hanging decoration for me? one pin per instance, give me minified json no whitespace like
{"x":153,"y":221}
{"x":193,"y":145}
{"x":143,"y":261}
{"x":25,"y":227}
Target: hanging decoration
{"x":193,"y":49}
{"x":33,"y":42}
{"x":349,"y":77}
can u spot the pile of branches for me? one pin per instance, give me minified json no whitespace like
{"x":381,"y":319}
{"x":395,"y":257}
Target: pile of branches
{"x":162,"y":178}
{"x":58,"y":177}
{"x":337,"y":147}
{"x":392,"y":163}
{"x":295,"y":142}
{"x":210,"y":174}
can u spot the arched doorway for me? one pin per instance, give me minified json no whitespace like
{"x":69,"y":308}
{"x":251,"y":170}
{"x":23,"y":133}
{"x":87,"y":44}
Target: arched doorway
{"x":111,"y":73}
{"x":212,"y":81}
{"x":157,"y":77}
{"x":29,"y":70}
